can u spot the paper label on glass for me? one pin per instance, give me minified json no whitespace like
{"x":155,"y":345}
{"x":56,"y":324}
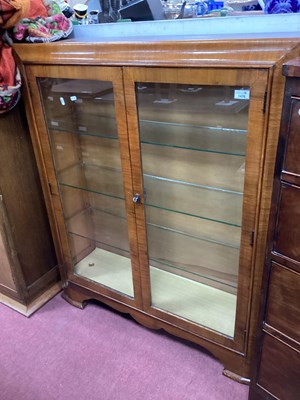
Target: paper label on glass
{"x":241,"y":94}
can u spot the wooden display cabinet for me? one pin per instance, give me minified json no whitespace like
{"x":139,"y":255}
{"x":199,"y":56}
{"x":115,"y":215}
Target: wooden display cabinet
{"x":158,"y":175}
{"x":29,"y":274}
{"x":276,"y":370}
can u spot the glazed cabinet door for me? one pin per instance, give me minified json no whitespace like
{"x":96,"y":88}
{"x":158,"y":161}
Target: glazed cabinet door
{"x":80,"y":114}
{"x":196,"y":139}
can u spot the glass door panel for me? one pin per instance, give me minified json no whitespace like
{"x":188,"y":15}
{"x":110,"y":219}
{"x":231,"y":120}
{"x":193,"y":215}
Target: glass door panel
{"x":82,"y":128}
{"x":193,"y":142}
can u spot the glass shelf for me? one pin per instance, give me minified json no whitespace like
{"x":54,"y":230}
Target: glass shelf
{"x":106,"y":228}
{"x":88,"y":127}
{"x":206,"y":139}
{"x":204,"y":202}
{"x":206,"y":230}
{"x":80,"y":87}
{"x":199,"y":138}
{"x":209,"y":203}
{"x":79,"y":105}
{"x":175,"y":251}
{"x":187,"y":235}
{"x":102,"y":180}
{"x":206,"y":169}
{"x":198,"y":105}
{"x":71,"y":152}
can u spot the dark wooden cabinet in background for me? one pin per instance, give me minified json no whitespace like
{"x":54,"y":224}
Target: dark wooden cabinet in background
{"x":277,"y":365}
{"x":28,"y":268}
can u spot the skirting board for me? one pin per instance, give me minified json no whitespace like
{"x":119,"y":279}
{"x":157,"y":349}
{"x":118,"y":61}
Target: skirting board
{"x":30,"y":308}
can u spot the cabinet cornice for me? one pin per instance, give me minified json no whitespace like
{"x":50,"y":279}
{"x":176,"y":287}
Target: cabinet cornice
{"x":251,"y":53}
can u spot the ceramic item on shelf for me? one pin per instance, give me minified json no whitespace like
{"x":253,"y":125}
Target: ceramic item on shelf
{"x":94,"y":17}
{"x":242,"y":5}
{"x":282,"y":6}
{"x":81,"y":11}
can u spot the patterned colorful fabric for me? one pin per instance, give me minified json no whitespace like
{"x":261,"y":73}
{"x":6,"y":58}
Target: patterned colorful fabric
{"x":282,"y":6}
{"x":10,"y":94}
{"x":39,"y":28}
{"x":44,"y":23}
{"x":10,"y":80}
{"x":43,"y":29}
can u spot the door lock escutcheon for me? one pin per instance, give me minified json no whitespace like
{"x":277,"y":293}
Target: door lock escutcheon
{"x":136,"y":198}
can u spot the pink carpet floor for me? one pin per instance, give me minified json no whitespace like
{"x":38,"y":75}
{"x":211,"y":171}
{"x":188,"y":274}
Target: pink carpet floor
{"x":63,"y":353}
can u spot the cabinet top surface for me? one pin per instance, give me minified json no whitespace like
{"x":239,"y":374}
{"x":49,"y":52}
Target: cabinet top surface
{"x":222,"y":28}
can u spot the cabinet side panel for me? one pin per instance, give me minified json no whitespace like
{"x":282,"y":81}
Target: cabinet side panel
{"x":6,"y":277}
{"x":23,"y":197}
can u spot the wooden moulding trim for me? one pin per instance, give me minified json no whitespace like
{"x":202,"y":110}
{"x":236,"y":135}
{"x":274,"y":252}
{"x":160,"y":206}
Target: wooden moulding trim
{"x":292,"y":68}
{"x":43,"y":282}
{"x":30,"y":308}
{"x":259,"y":53}
{"x":290,"y":178}
{"x":285,"y":261}
{"x":286,"y":340}
{"x":9,"y":292}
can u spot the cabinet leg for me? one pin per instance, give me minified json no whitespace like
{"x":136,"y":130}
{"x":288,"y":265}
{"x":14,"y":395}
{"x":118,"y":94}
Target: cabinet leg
{"x":75,"y":298}
{"x":235,"y":377}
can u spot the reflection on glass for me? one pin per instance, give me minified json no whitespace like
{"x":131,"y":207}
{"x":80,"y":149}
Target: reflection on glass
{"x":83,"y":134}
{"x":193,"y":144}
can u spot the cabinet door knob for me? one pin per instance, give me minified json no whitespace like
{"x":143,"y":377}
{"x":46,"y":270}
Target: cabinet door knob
{"x":136,"y":198}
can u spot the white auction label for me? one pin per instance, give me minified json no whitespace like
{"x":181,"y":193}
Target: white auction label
{"x":242,"y":94}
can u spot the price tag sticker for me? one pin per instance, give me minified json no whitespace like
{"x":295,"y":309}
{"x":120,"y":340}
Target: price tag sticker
{"x":242,"y":94}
